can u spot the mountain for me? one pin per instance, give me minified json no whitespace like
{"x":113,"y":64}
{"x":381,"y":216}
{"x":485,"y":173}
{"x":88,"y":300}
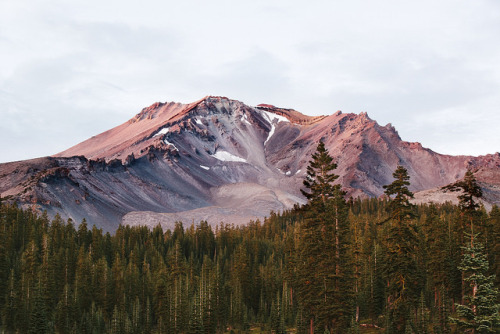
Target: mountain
{"x":218,"y":159}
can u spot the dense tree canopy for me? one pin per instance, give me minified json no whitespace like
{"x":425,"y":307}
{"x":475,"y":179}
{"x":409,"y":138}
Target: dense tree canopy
{"x":368,"y":265}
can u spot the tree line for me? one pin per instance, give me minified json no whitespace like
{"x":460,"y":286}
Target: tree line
{"x":332,"y":265}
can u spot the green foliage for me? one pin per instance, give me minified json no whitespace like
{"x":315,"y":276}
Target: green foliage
{"x":404,"y":281}
{"x":495,"y":241}
{"x":400,"y":207}
{"x":481,"y":310}
{"x":324,"y":273}
{"x":470,"y":192}
{"x":38,"y":320}
{"x":320,"y":176}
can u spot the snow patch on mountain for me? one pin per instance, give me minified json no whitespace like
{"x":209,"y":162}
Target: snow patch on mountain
{"x":162,"y":132}
{"x":171,"y":144}
{"x":244,"y":118}
{"x":272,"y":118}
{"x":226,"y":156}
{"x":270,"y":133}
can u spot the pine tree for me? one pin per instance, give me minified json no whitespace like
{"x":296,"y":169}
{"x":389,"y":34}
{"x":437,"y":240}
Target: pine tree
{"x":471,"y":192}
{"x":39,"y":318}
{"x":401,"y":266}
{"x":400,"y":207}
{"x":83,"y":281}
{"x":4,"y":265}
{"x":277,"y":318}
{"x":10,"y":310}
{"x":65,"y":311}
{"x":116,"y":322}
{"x":480,"y":314}
{"x":195,"y":317}
{"x":469,"y":217}
{"x":98,"y":324}
{"x":434,"y":249}
{"x":220,"y":300}
{"x":162,"y":302}
{"x":495,"y":254}
{"x":325,"y":273}
{"x":136,"y":317}
{"x":468,"y":200}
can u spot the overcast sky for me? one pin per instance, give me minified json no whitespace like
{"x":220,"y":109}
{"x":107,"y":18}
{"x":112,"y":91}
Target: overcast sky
{"x":72,"y":69}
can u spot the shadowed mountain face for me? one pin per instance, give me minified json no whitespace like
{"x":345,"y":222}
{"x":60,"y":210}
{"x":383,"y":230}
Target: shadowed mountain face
{"x":221,"y":160}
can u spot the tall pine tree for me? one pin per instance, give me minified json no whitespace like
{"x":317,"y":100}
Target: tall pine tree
{"x":325,"y":271}
{"x":401,"y":268}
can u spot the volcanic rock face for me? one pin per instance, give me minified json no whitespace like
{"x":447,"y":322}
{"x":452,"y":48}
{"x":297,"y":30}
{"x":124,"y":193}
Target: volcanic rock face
{"x":220,"y":160}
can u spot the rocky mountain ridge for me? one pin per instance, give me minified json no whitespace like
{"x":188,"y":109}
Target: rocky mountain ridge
{"x":218,"y":159}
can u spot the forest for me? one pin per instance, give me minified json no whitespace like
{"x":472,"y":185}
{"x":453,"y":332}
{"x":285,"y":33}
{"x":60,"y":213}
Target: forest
{"x":333,"y":265}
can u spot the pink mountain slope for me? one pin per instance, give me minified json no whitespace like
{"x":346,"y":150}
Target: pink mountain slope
{"x":220,"y":160}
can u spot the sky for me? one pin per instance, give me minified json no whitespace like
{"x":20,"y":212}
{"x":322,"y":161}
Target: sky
{"x":72,"y":69}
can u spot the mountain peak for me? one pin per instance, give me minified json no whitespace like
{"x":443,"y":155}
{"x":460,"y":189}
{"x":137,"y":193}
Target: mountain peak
{"x":364,"y":115}
{"x":218,"y":155}
{"x":158,"y":108}
{"x":140,"y":134}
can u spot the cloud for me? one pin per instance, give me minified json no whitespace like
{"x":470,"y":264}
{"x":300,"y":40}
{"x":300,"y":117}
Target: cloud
{"x":74,"y":69}
{"x":259,"y":77}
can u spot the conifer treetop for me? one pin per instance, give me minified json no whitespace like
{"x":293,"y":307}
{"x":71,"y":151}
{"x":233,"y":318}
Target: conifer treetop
{"x":320,"y":177}
{"x":471,"y":192}
{"x":400,"y":205}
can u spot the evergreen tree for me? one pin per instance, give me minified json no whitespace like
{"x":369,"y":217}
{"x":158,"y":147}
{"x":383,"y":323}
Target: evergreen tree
{"x":470,"y":193}
{"x":10,"y":309}
{"x":468,"y":200}
{"x":277,"y":318}
{"x":325,"y":273}
{"x":39,"y":322}
{"x":83,"y":280}
{"x":4,"y":265}
{"x":195,"y":317}
{"x":116,"y":322}
{"x":301,"y":322}
{"x":401,"y":268}
{"x":434,"y":246}
{"x":399,"y":206}
{"x":162,"y":302}
{"x":480,"y":314}
{"x":98,"y":324}
{"x":495,"y":253}
{"x":469,"y":217}
{"x":65,"y":311}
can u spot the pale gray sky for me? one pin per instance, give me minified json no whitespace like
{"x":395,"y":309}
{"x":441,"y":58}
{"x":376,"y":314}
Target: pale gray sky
{"x":72,"y":69}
